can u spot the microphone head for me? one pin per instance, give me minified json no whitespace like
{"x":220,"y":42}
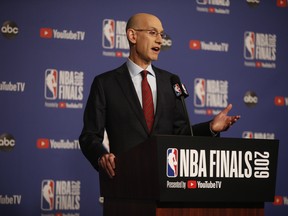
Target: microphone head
{"x":178,"y":87}
{"x":175,"y":82}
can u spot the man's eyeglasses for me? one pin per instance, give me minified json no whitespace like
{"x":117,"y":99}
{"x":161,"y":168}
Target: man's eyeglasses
{"x":153,"y":33}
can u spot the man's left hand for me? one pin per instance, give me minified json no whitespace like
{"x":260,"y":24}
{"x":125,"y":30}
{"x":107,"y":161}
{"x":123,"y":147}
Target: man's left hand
{"x":222,"y":122}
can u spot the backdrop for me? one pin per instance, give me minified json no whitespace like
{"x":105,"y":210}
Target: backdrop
{"x":224,"y":51}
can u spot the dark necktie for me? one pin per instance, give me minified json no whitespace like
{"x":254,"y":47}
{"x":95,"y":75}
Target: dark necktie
{"x":147,"y":101}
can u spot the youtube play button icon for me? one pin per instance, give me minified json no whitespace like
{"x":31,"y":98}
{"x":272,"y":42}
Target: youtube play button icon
{"x":191,"y":184}
{"x":46,"y":33}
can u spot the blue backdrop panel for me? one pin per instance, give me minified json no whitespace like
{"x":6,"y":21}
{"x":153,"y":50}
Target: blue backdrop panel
{"x":50,"y":51}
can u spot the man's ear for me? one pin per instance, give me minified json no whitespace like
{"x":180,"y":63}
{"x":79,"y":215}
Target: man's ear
{"x":131,"y":36}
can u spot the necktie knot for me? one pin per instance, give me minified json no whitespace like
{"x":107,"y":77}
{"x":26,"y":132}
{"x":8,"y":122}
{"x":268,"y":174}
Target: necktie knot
{"x":144,"y":74}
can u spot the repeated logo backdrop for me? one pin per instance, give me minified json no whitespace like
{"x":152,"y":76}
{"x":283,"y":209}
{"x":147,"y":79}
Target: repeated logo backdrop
{"x":224,"y":51}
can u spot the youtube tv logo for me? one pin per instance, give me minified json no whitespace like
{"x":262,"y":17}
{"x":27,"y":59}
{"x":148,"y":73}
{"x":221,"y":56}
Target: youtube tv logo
{"x":208,"y":45}
{"x":195,"y":44}
{"x":191,"y":184}
{"x":46,"y":33}
{"x":43,"y":143}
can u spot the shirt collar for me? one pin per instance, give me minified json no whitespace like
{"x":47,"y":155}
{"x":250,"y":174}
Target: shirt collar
{"x":134,"y":69}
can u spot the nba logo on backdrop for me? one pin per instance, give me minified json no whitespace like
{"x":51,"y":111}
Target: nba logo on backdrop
{"x":114,"y":39}
{"x":210,"y":95}
{"x":108,"y":37}
{"x":249,"y":45}
{"x":47,"y":195}
{"x":51,"y":80}
{"x":60,"y":195}
{"x":199,"y":92}
{"x":260,"y":46}
{"x":260,"y":49}
{"x":63,"y":88}
{"x":247,"y":135}
{"x":172,"y":162}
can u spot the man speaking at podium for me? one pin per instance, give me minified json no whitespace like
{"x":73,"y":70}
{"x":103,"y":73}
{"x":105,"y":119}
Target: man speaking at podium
{"x":137,"y":100}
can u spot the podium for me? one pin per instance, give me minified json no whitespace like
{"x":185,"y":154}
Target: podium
{"x":199,"y":176}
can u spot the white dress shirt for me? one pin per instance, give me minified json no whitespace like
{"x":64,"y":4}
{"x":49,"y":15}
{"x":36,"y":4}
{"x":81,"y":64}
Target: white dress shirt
{"x":135,"y":73}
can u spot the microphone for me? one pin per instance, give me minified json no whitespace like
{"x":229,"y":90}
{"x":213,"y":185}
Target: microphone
{"x":181,"y":93}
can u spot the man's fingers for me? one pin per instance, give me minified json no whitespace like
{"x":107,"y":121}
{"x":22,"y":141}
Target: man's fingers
{"x":111,"y":159}
{"x":110,"y":171}
{"x":110,"y":165}
{"x":227,"y":109}
{"x":233,"y":119}
{"x":236,"y":118}
{"x":107,"y":162}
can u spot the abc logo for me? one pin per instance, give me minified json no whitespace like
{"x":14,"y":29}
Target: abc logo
{"x":253,"y":2}
{"x":250,"y":99}
{"x":166,"y":43}
{"x":7,"y":142}
{"x":9,"y":29}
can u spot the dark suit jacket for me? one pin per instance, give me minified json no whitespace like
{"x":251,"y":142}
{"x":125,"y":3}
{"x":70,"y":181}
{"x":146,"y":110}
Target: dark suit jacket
{"x":113,"y":105}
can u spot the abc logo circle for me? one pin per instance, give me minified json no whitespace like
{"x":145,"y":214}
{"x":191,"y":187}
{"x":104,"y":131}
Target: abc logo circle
{"x":250,"y":99}
{"x":253,"y":2}
{"x":7,"y":142}
{"x":166,"y":43}
{"x":9,"y":29}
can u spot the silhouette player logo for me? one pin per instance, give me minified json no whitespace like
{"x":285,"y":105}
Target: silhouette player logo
{"x":172,"y":162}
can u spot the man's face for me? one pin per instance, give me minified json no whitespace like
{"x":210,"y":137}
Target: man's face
{"x":148,"y":41}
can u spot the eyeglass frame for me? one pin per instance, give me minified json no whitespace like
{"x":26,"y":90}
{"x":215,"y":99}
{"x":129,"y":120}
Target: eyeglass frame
{"x":153,"y":33}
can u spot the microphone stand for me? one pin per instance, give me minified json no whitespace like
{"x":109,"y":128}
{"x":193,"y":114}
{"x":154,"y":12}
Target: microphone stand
{"x":186,"y":114}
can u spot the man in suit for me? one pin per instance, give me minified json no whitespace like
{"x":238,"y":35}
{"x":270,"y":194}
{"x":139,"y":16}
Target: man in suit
{"x":115,"y":101}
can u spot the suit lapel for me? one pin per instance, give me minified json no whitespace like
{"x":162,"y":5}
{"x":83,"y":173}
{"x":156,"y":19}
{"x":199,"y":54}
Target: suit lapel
{"x":160,"y":103}
{"x":126,"y":84}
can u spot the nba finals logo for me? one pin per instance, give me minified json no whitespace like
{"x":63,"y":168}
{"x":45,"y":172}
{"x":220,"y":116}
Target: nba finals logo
{"x":260,"y":49}
{"x":108,"y":33}
{"x":63,"y":88}
{"x":260,"y":46}
{"x":47,"y":195}
{"x":209,"y":95}
{"x":51,"y":87}
{"x":172,"y":162}
{"x":60,"y":195}
{"x":199,"y":92}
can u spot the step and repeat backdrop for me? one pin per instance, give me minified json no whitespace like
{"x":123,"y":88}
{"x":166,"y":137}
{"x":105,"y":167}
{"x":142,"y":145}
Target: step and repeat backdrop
{"x":225,"y":51}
